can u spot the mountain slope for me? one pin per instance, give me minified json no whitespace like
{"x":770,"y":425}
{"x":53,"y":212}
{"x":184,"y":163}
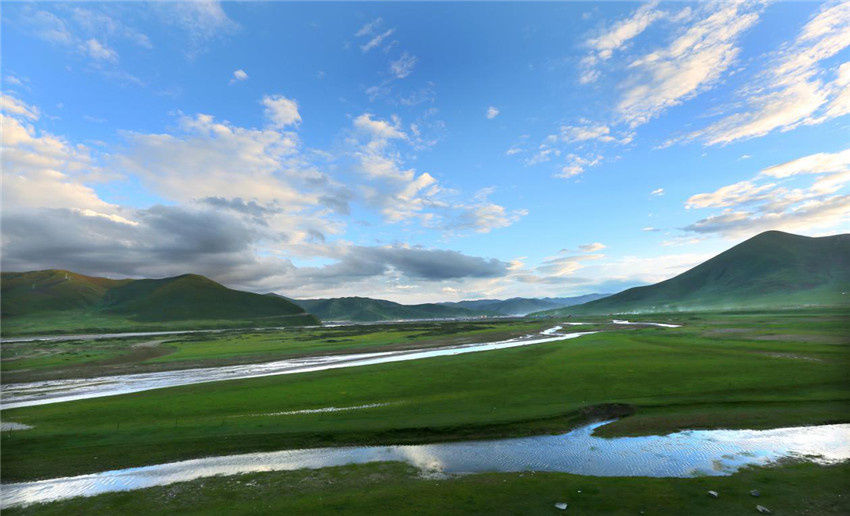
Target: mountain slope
{"x":42,"y":295}
{"x":364,"y":309}
{"x":39,"y":291}
{"x":191,"y":296}
{"x":523,"y":305}
{"x":770,"y":270}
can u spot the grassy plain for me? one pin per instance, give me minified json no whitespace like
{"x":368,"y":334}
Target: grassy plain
{"x":719,"y":370}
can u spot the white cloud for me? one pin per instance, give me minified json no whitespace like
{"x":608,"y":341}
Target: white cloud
{"x":587,"y":130}
{"x":591,"y":248}
{"x":98,"y":50}
{"x":657,"y":191}
{"x":731,"y":195}
{"x":13,"y":80}
{"x":810,"y":216}
{"x":775,"y":199}
{"x":41,"y":170}
{"x":577,"y":165}
{"x":281,"y":111}
{"x":210,"y":158}
{"x":616,"y":37}
{"x":690,"y":64}
{"x":239,"y":75}
{"x":380,"y":129}
{"x":14,"y":106}
{"x":403,"y":66}
{"x":483,"y":216}
{"x":403,"y":194}
{"x":543,"y":154}
{"x":585,"y":133}
{"x":376,"y":40}
{"x":204,"y":21}
{"x":492,"y":112}
{"x":369,"y":28}
{"x":819,"y":163}
{"x":794,"y":89}
{"x":624,"y":30}
{"x":77,"y":31}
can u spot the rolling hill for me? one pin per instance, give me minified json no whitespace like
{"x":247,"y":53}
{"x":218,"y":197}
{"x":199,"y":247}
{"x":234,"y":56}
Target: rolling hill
{"x":364,"y":309}
{"x":57,"y":300}
{"x":523,"y":305}
{"x":771,"y":270}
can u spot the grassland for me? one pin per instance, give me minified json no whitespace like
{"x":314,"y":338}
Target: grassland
{"x":720,"y":370}
{"x":393,"y":488}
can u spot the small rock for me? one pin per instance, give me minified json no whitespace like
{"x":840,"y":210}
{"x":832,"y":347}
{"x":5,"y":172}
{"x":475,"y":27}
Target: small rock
{"x":755,"y":492}
{"x":714,"y":494}
{"x":562,"y":506}
{"x":762,"y":509}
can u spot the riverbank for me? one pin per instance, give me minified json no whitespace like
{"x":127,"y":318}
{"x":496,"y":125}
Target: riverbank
{"x":396,"y":488}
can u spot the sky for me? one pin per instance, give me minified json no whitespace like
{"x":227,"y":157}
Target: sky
{"x":418,"y":152}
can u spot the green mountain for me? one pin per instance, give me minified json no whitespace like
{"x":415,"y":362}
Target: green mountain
{"x":57,"y":300}
{"x":770,"y":270}
{"x":364,"y":309}
{"x":523,"y":305}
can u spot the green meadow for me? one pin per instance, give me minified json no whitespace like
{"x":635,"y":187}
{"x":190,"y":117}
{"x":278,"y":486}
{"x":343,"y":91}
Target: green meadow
{"x":756,"y":370}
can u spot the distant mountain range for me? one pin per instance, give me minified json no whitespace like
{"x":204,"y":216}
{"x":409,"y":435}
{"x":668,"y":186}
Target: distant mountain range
{"x":772,"y":270}
{"x":523,"y":305}
{"x":364,"y":309}
{"x":80,"y":300}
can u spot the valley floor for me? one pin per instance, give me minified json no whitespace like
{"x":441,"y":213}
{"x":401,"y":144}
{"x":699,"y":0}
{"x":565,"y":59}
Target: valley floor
{"x":736,"y":370}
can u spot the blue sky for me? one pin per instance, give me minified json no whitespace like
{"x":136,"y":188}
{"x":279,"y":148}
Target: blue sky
{"x":418,"y":152}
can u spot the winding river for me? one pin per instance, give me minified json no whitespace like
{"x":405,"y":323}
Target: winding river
{"x":681,"y":454}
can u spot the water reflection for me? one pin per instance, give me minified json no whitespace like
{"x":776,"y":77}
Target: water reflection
{"x":682,"y":454}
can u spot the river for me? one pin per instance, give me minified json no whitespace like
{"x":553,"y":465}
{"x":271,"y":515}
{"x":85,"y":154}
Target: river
{"x":16,"y":395}
{"x":681,"y":454}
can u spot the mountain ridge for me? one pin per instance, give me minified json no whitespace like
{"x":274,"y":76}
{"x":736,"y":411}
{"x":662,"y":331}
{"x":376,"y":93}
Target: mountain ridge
{"x":40,"y":294}
{"x":365,"y":309}
{"x":520,"y":306}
